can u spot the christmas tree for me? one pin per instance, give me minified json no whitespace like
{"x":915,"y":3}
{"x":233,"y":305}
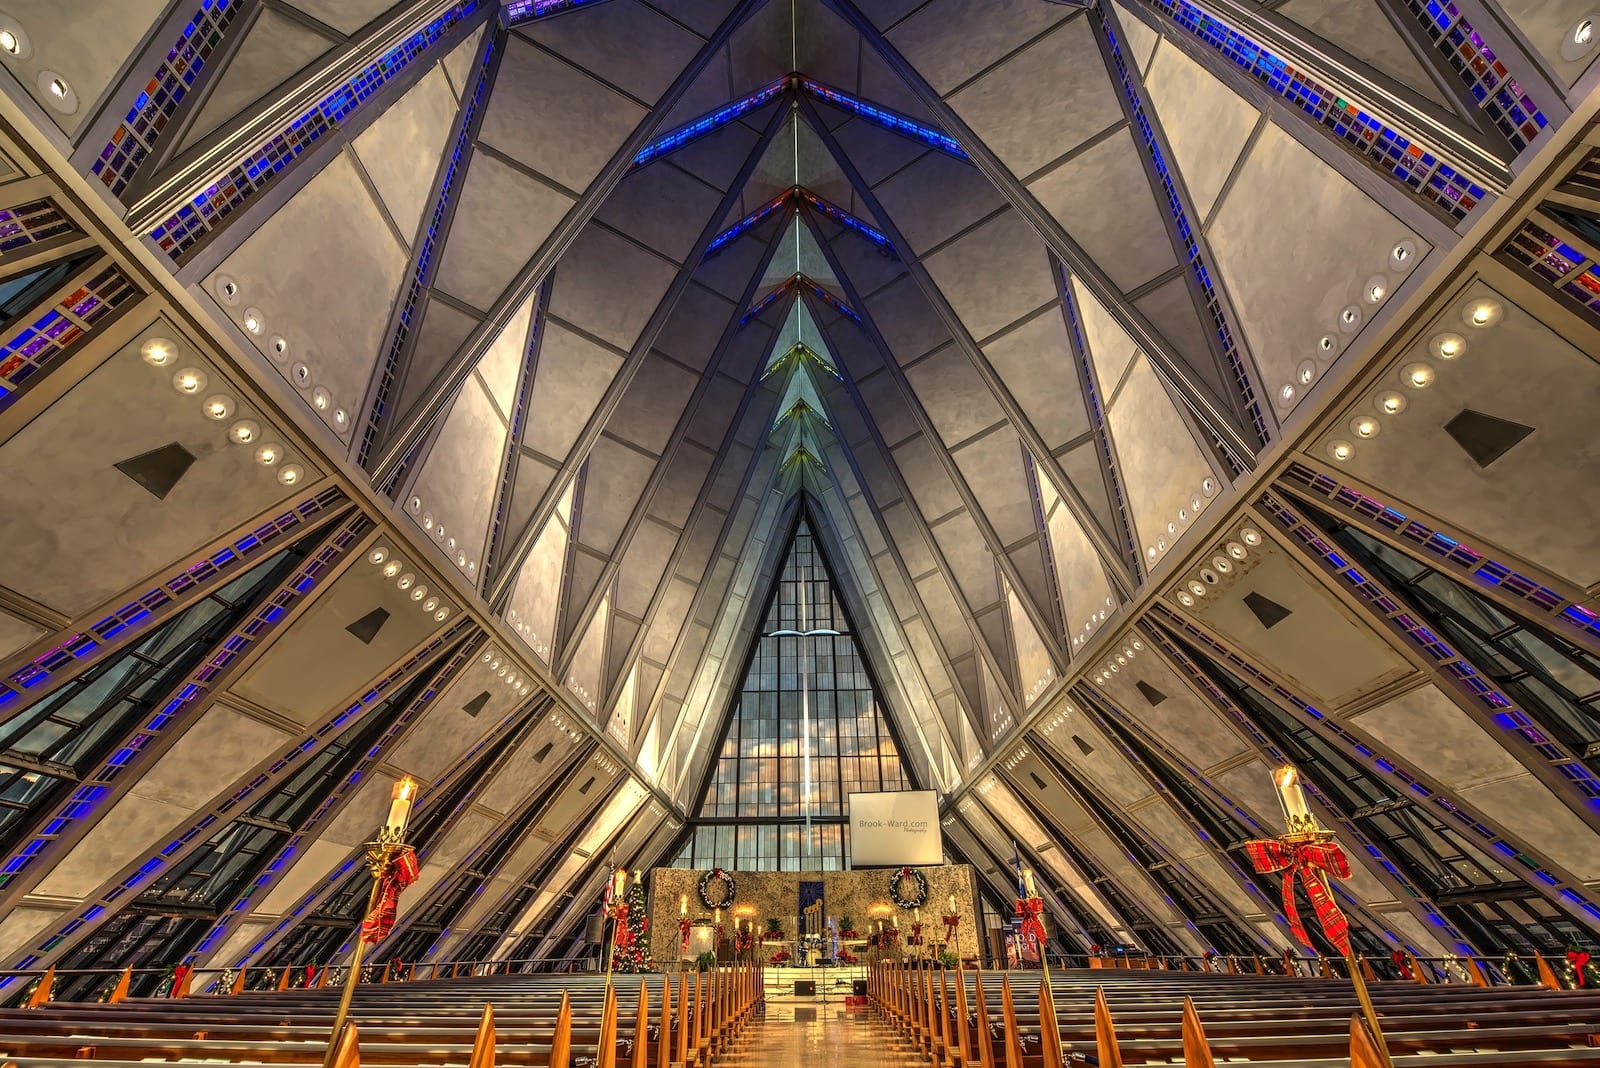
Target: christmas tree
{"x":631,"y":953}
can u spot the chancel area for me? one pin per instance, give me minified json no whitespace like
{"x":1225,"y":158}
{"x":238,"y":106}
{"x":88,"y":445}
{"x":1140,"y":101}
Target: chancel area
{"x":682,"y":533}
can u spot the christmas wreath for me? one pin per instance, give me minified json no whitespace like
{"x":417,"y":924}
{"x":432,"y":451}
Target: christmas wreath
{"x":918,"y":896}
{"x":718,"y":882}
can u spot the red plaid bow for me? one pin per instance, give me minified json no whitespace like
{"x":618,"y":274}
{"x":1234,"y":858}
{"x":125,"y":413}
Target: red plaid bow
{"x":1313,"y":862}
{"x":401,"y":873}
{"x":1030,"y":909}
{"x":624,"y":934}
{"x":1579,"y":961}
{"x":683,"y":934}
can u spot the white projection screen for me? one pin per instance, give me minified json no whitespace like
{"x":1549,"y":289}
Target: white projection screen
{"x":900,"y":827}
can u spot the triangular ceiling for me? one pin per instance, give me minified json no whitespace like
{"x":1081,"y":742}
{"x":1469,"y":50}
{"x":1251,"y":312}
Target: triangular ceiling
{"x":962,"y":274}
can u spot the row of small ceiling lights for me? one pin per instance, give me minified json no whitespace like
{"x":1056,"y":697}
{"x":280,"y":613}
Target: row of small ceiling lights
{"x":1402,"y":258}
{"x":56,"y":90}
{"x":1022,"y":753}
{"x":1236,"y":551}
{"x":436,"y":527}
{"x":254,"y":322}
{"x":391,"y":566}
{"x":1446,"y":346}
{"x":191,"y":381}
{"x":1197,"y":503}
{"x":501,"y":664}
{"x":528,"y":634}
{"x":605,"y":764}
{"x":1117,"y":661}
{"x":570,"y":730}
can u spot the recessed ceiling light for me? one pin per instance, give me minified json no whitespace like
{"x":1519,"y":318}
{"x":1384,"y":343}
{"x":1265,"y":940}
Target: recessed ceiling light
{"x":430,"y":604}
{"x":1403,"y":256}
{"x":1221,"y":564}
{"x":1209,"y":487}
{"x":254,"y":321}
{"x":1448,"y":346}
{"x":1305,"y":373}
{"x":419,"y":593}
{"x":1391,"y":403}
{"x":278,"y":346}
{"x":1580,"y":40}
{"x":1365,"y":426}
{"x":244,"y":432}
{"x":289,"y":474}
{"x":378,"y":555}
{"x":1237,"y":551}
{"x":57,"y":92}
{"x":392,"y":568}
{"x":1350,"y":318}
{"x":227,"y":289}
{"x":1375,"y":290}
{"x":158,"y":351}
{"x":1184,"y":599}
{"x":300,"y":375}
{"x":406,"y":581}
{"x":14,"y":40}
{"x":1326,"y":346}
{"x":1286,"y":393}
{"x":1197,"y":588}
{"x":269,"y":454}
{"x":217,"y":406}
{"x":1341,"y":450}
{"x":321,"y":398}
{"x":1250,"y":536}
{"x":1417,"y":375}
{"x":1479,"y":314}
{"x":189,"y":380}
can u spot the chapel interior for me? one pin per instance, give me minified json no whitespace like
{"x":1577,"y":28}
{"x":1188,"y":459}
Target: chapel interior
{"x":683,"y":533}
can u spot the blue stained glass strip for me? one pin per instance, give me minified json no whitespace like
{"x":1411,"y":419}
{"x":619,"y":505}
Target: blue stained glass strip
{"x":523,"y":10}
{"x":135,"y":138}
{"x":715,"y":120}
{"x":731,"y":234}
{"x":1419,"y":171}
{"x":209,"y":207}
{"x":844,"y":218}
{"x":928,"y":135}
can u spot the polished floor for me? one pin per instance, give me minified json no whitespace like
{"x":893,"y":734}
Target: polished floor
{"x":819,"y":1035}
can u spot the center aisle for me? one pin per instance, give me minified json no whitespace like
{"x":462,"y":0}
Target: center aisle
{"x":828,"y":1034}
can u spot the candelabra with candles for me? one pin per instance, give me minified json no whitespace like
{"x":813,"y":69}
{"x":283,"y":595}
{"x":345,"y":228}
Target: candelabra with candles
{"x":951,"y":919}
{"x":387,"y":855}
{"x":1307,"y":850}
{"x":617,"y":912}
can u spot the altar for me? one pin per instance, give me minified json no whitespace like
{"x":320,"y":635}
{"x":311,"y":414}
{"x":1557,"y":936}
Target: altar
{"x":810,"y":919}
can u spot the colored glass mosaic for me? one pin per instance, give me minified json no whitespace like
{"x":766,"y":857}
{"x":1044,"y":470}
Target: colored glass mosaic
{"x":1558,"y":264}
{"x":98,"y":784}
{"x":795,"y":196}
{"x":208,"y":207}
{"x":732,"y":233}
{"x":422,"y":271}
{"x":1193,"y":255}
{"x":928,"y":135}
{"x":1446,"y":552}
{"x":34,"y":347}
{"x":1420,"y":171}
{"x":1483,"y":75}
{"x":524,"y":10}
{"x":715,"y":120}
{"x":1445,"y":658}
{"x":31,"y":223}
{"x":845,"y":219}
{"x":155,"y":105}
{"x":72,"y":652}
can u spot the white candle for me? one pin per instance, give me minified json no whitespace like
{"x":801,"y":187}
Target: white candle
{"x":916,"y":914}
{"x":1027,"y":881}
{"x":622,"y":882}
{"x":952,"y":904}
{"x":683,"y":904}
{"x":405,"y":792}
{"x":1293,"y":797}
{"x":896,"y":920}
{"x":717,"y":913}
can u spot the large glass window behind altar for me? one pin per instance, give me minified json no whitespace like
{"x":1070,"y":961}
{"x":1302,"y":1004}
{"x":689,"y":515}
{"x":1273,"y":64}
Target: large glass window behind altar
{"x":807,"y":729}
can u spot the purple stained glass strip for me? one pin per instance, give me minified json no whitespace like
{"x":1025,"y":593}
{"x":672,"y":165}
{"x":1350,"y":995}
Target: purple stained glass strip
{"x":1419,"y":171}
{"x":714,"y":120}
{"x":524,"y":10}
{"x":207,"y":208}
{"x":155,"y":105}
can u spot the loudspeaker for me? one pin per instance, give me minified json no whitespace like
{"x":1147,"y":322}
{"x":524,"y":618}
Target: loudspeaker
{"x":858,"y":988}
{"x":594,"y":930}
{"x":805,"y":988}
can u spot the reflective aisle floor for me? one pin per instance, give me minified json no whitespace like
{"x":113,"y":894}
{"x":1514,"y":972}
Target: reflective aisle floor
{"x":819,"y":1035}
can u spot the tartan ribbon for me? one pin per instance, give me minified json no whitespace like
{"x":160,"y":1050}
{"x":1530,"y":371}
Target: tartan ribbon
{"x":916,"y":935}
{"x":1313,"y":862}
{"x":401,"y":872}
{"x":950,"y":928}
{"x":624,"y":939}
{"x":1030,"y":909}
{"x":1579,"y":960}
{"x":683,"y":935}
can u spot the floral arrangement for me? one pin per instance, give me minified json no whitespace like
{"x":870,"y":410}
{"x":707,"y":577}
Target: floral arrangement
{"x":847,"y":957}
{"x":847,"y":927}
{"x":774,"y":931}
{"x":780,"y":957}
